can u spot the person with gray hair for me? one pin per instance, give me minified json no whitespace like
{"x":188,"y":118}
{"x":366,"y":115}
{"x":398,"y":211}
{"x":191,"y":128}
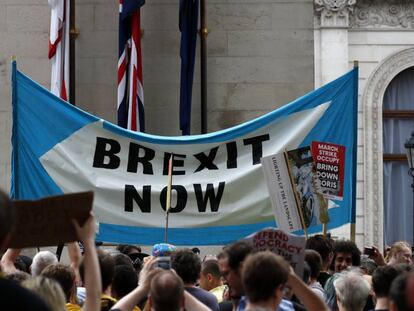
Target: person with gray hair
{"x":41,"y":260}
{"x":352,"y":291}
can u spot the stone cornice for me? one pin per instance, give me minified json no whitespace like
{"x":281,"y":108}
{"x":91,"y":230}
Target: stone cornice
{"x":383,"y":13}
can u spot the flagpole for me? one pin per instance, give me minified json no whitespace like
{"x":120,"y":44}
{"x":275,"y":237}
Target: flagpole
{"x":354,"y":155}
{"x":203,"y":65}
{"x":168,"y":200}
{"x":73,"y":34}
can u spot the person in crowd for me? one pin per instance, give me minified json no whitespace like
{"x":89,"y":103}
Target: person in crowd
{"x":128,"y":249}
{"x":188,"y":267}
{"x":13,"y":296}
{"x":49,"y":290}
{"x":121,"y":259}
{"x":264,"y":276}
{"x":352,"y":291}
{"x":400,"y":252}
{"x":134,"y":253}
{"x":65,"y":276}
{"x":196,"y":251}
{"x":231,"y":264}
{"x":41,"y":260}
{"x":401,"y":293}
{"x":18,"y":276}
{"x":107,"y":271}
{"x":346,"y":254}
{"x":323,"y":246}
{"x":314,"y":261}
{"x":23,"y":263}
{"x":210,"y":279}
{"x":382,"y":279}
{"x":368,"y":265}
{"x":125,"y":281}
{"x":165,"y":290}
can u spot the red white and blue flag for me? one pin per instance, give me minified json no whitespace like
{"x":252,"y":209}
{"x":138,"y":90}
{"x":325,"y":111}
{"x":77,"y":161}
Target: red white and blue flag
{"x":59,"y":47}
{"x":130,"y":82}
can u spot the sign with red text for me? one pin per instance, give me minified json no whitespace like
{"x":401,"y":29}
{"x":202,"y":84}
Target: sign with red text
{"x":290,"y":247}
{"x":330,"y":166}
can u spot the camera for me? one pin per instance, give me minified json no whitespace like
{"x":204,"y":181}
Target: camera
{"x":369,"y":251}
{"x":164,"y":263}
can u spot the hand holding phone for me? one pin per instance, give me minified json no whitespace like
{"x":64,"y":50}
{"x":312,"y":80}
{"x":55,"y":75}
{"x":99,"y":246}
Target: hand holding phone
{"x":164,"y":263}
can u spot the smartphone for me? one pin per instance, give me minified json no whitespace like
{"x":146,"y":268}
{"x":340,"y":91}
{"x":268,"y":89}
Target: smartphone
{"x":369,"y":251}
{"x":164,"y":263}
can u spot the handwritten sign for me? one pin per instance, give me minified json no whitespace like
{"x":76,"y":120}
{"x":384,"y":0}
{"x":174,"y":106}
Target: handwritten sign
{"x":290,"y":247}
{"x":47,"y":222}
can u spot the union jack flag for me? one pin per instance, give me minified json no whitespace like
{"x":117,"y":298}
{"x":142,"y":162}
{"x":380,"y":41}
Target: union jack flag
{"x":59,"y":47}
{"x":130,"y":82}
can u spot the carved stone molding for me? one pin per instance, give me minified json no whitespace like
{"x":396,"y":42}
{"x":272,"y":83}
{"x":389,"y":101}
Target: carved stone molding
{"x":383,"y":13}
{"x":372,"y":101}
{"x":334,"y":13}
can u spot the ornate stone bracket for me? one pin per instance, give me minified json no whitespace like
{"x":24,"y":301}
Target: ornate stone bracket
{"x":372,"y":101}
{"x":334,"y":13}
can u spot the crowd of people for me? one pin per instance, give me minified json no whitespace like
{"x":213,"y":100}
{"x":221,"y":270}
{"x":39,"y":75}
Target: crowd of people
{"x":336,"y":276}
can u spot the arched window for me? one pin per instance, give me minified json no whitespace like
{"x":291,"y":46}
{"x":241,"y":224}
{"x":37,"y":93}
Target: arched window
{"x":398,"y":123}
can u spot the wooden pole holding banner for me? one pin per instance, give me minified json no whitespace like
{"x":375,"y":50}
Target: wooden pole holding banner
{"x":168,"y":200}
{"x":297,"y":200}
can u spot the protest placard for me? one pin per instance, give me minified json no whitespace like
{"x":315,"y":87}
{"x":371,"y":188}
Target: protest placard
{"x":330,"y":167}
{"x":281,"y":192}
{"x":304,"y":180}
{"x":47,"y":222}
{"x":290,"y":247}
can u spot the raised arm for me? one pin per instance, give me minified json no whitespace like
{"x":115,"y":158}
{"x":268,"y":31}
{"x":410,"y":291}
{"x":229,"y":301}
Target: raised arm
{"x":8,"y":259}
{"x":75,"y":258}
{"x":86,"y":235}
{"x":146,"y":275}
{"x":310,"y":300}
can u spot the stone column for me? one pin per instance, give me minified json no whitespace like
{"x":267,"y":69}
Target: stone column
{"x":333,"y":19}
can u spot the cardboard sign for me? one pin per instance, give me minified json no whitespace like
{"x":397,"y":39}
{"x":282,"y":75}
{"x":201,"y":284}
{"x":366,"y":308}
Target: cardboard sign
{"x":290,"y":247}
{"x":47,"y":222}
{"x":330,"y":167}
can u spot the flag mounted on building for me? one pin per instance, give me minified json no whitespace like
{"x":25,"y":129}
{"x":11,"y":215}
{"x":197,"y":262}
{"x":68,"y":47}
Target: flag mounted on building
{"x":188,"y":22}
{"x":59,"y":47}
{"x":130,"y":82}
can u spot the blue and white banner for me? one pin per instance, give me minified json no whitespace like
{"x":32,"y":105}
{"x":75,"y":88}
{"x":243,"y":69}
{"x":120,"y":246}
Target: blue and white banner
{"x":219,"y":190}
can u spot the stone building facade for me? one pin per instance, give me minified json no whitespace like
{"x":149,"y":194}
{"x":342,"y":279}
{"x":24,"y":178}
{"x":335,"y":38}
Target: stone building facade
{"x":261,"y":55}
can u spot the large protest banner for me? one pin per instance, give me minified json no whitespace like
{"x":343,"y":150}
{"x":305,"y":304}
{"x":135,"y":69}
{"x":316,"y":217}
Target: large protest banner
{"x":219,"y":190}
